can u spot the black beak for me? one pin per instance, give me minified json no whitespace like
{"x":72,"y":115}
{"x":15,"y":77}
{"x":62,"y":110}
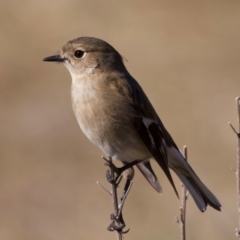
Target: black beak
{"x":55,"y":58}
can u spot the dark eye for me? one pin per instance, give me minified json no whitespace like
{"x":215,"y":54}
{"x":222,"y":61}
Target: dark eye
{"x":78,"y":54}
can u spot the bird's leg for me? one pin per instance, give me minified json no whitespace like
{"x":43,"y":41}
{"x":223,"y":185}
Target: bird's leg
{"x":128,"y":174}
{"x":114,"y":176}
{"x":118,"y":171}
{"x":117,"y":223}
{"x":119,"y":216}
{"x":126,"y":189}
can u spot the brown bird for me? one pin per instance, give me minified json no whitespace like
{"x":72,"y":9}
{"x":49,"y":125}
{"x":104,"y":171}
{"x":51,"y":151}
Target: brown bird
{"x":115,"y":114}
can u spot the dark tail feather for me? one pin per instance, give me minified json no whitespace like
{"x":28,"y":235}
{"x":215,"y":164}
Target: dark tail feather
{"x":200,"y":193}
{"x":146,"y":169}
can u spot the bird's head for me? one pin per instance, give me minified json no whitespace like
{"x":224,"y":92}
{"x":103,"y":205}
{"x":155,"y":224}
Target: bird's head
{"x":87,"y":53}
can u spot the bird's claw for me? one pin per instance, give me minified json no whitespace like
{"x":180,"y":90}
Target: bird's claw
{"x":117,"y":170}
{"x":117,"y":173}
{"x":119,"y":228}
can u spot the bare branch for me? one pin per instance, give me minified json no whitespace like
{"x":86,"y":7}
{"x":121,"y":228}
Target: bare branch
{"x":237,"y":171}
{"x":114,"y":177}
{"x":114,"y":201}
{"x":234,"y":130}
{"x":182,"y":221}
{"x":100,"y":185}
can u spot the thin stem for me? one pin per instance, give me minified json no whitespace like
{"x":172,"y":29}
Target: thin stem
{"x":115,"y":200}
{"x":237,"y":171}
{"x":184,"y":203}
{"x":100,"y":185}
{"x":238,"y":166}
{"x":182,"y":221}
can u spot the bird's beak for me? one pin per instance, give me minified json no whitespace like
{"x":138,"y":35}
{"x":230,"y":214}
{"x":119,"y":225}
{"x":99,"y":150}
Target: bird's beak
{"x":55,"y":58}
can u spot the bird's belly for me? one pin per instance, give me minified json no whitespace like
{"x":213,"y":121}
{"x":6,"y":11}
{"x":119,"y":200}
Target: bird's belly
{"x":115,"y":137}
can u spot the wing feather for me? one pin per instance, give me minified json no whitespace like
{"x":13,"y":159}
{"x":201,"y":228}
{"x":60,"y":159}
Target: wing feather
{"x":150,"y":129}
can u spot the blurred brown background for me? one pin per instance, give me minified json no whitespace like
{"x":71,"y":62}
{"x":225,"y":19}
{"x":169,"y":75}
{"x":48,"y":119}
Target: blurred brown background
{"x":186,"y":56}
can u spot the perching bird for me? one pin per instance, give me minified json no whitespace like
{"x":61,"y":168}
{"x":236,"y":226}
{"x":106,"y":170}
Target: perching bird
{"x":116,"y":115}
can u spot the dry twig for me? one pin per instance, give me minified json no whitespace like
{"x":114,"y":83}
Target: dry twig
{"x":237,"y":171}
{"x":182,"y":221}
{"x":117,"y":223}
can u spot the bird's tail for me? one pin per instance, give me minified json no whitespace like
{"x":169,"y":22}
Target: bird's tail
{"x":200,"y":193}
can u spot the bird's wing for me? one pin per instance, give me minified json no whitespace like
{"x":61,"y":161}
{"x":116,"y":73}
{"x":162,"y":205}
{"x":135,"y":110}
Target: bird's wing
{"x":150,"y":129}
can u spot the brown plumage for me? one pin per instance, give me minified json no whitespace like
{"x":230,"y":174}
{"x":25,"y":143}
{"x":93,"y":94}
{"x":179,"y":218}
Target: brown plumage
{"x":116,"y":115}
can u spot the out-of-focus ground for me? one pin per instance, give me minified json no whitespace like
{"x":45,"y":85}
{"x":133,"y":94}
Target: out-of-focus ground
{"x":186,"y":56}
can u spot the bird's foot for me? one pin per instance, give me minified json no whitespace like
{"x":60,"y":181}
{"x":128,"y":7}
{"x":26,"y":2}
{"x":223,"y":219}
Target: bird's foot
{"x":117,"y":170}
{"x":119,"y":226}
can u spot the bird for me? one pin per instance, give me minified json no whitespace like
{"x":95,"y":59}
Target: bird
{"x":115,"y":114}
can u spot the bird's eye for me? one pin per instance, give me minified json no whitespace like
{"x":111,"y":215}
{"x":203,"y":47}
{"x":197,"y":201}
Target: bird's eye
{"x":78,"y":54}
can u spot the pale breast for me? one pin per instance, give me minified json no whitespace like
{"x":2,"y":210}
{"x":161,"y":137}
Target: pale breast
{"x":104,"y":116}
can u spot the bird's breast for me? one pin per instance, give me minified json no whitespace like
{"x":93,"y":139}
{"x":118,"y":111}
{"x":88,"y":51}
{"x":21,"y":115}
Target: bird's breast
{"x":98,"y":112}
{"x":105,"y":118}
